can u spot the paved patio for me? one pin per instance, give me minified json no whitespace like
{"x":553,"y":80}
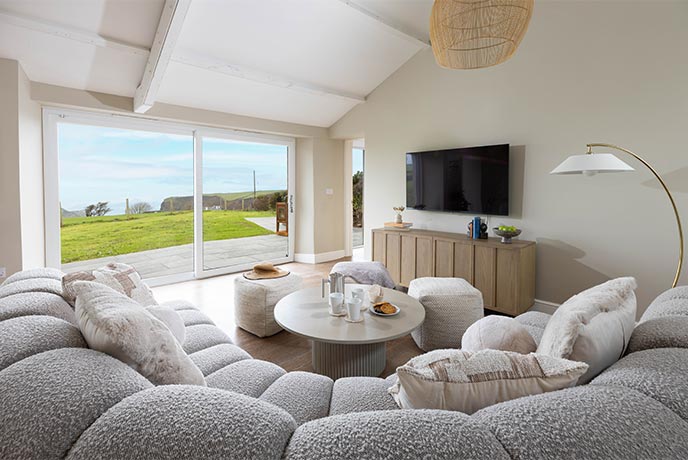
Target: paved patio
{"x":179,"y":259}
{"x":357,"y":237}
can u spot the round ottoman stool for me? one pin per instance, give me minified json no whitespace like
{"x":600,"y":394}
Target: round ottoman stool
{"x":451,"y":306}
{"x":254,"y":302}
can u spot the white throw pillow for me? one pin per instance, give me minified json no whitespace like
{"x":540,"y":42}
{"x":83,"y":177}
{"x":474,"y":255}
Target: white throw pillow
{"x":171,"y":319}
{"x":122,"y":278}
{"x":467,"y":382}
{"x":117,"y":325}
{"x":593,"y":326}
{"x":498,"y":333}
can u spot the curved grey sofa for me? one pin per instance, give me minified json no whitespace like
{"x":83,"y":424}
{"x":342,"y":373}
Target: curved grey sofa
{"x":63,"y":400}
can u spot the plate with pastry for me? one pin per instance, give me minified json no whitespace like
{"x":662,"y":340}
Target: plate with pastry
{"x":384,"y":309}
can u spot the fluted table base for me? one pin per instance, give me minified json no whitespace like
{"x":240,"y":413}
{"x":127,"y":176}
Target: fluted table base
{"x":341,"y":360}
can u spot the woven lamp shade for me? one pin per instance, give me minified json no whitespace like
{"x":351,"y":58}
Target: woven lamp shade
{"x":471,"y":34}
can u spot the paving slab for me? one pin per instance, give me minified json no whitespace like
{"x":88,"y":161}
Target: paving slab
{"x":179,"y":259}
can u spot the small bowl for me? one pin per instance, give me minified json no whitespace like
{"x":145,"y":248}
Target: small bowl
{"x":506,"y":236}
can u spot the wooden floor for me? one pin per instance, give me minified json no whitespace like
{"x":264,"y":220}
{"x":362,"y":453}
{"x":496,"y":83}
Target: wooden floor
{"x":215,"y":297}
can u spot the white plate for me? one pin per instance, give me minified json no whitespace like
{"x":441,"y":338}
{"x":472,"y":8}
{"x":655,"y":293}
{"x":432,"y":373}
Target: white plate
{"x":372,"y":310}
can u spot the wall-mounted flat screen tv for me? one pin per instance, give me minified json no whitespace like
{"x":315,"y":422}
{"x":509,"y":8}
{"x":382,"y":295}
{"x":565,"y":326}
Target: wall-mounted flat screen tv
{"x":473,"y":180}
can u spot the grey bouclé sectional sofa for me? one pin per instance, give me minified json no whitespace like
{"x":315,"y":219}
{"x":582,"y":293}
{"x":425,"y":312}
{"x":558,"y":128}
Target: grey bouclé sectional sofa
{"x":63,"y":400}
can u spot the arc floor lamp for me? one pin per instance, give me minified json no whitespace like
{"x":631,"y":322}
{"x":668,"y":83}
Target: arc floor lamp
{"x":592,"y":163}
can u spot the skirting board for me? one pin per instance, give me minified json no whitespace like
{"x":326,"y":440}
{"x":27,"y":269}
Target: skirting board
{"x":544,"y":306}
{"x":319,"y":258}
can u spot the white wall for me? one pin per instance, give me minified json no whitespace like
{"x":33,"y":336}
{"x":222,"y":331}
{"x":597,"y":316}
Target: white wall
{"x":586,"y":72}
{"x":31,"y":176}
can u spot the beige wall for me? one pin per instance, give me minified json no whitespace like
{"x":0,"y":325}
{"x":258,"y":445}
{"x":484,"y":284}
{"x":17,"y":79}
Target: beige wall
{"x":586,"y":72}
{"x":320,"y":217}
{"x":21,"y":172}
{"x":10,"y":217}
{"x":305,"y":204}
{"x":328,"y":173}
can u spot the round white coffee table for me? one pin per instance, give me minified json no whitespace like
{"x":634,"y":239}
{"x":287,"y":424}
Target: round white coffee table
{"x":340,"y":348}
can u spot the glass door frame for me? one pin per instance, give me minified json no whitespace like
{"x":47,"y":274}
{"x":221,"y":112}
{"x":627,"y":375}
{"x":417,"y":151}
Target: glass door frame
{"x":51,"y":179}
{"x":239,"y":136}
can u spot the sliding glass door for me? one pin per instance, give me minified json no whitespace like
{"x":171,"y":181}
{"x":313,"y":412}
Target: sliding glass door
{"x":174,"y":201}
{"x":244,"y":200}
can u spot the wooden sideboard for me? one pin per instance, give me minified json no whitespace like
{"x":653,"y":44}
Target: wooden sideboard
{"x":504,"y":273}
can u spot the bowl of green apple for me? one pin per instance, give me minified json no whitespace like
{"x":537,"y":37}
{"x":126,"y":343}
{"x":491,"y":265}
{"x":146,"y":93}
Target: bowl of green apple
{"x":507,"y":232}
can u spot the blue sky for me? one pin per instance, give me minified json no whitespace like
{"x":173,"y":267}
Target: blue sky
{"x":357,"y":160}
{"x":111,"y":164}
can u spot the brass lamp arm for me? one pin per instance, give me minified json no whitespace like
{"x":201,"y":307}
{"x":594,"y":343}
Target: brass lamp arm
{"x":666,"y":189}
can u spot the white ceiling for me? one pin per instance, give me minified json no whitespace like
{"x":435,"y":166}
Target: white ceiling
{"x":302,"y":61}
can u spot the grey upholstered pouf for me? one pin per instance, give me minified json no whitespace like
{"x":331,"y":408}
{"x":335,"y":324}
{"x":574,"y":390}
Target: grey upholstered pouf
{"x":451,"y":306}
{"x":254,"y":302}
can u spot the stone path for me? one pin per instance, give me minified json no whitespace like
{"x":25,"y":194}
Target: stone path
{"x":179,"y":259}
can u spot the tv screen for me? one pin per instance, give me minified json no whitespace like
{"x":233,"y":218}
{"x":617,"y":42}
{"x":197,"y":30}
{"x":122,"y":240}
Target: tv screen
{"x":472,"y":180}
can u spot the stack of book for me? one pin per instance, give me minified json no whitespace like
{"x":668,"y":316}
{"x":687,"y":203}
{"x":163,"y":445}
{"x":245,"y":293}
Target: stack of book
{"x":398,"y":226}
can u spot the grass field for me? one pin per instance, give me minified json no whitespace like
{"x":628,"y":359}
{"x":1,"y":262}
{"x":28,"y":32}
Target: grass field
{"x":85,"y":238}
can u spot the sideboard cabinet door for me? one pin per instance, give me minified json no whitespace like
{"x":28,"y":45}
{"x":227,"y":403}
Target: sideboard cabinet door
{"x":485,"y":273}
{"x":393,"y":262}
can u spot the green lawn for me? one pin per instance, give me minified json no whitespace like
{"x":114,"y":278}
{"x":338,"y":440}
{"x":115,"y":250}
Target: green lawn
{"x":85,"y":238}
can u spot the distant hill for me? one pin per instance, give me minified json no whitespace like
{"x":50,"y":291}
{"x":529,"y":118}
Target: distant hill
{"x":66,"y":213}
{"x":227,"y":201}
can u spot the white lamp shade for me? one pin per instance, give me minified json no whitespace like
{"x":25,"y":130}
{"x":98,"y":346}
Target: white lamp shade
{"x":591,"y":163}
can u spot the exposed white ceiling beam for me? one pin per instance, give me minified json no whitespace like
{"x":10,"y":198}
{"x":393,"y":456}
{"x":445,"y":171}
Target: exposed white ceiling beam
{"x":169,"y":29}
{"x":94,"y":39}
{"x":262,"y":77}
{"x":70,"y":33}
{"x":398,"y":29}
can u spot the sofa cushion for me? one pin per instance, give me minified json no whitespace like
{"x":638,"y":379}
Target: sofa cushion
{"x":50,"y":273}
{"x":202,"y":336}
{"x":673,"y":302}
{"x":661,"y":374}
{"x":23,"y":286}
{"x":535,"y":323}
{"x":306,"y":396}
{"x":422,"y":434}
{"x":179,"y":305}
{"x":664,"y":332}
{"x":498,"y":333}
{"x":119,"y":326}
{"x":361,"y":394}
{"x":593,"y":327}
{"x":466,"y":382}
{"x":122,"y":278}
{"x":216,"y":357}
{"x":36,"y":303}
{"x":250,"y":377}
{"x":588,"y":422}
{"x":49,"y":399}
{"x":29,"y":335}
{"x":187,"y":422}
{"x":193,"y":317}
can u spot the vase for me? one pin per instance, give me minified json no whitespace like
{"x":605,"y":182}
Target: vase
{"x":398,"y":219}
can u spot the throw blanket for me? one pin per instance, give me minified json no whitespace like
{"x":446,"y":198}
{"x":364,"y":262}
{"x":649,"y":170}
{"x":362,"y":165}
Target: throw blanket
{"x":365,"y":273}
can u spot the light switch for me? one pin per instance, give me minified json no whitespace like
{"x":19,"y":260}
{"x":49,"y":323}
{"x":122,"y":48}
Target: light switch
{"x":329,"y":191}
{"x":3,"y":272}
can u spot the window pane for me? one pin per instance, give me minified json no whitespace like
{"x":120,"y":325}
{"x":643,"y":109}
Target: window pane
{"x":126,"y":196}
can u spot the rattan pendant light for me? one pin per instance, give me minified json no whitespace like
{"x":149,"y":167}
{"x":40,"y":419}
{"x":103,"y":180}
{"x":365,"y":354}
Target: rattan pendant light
{"x":471,"y":34}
